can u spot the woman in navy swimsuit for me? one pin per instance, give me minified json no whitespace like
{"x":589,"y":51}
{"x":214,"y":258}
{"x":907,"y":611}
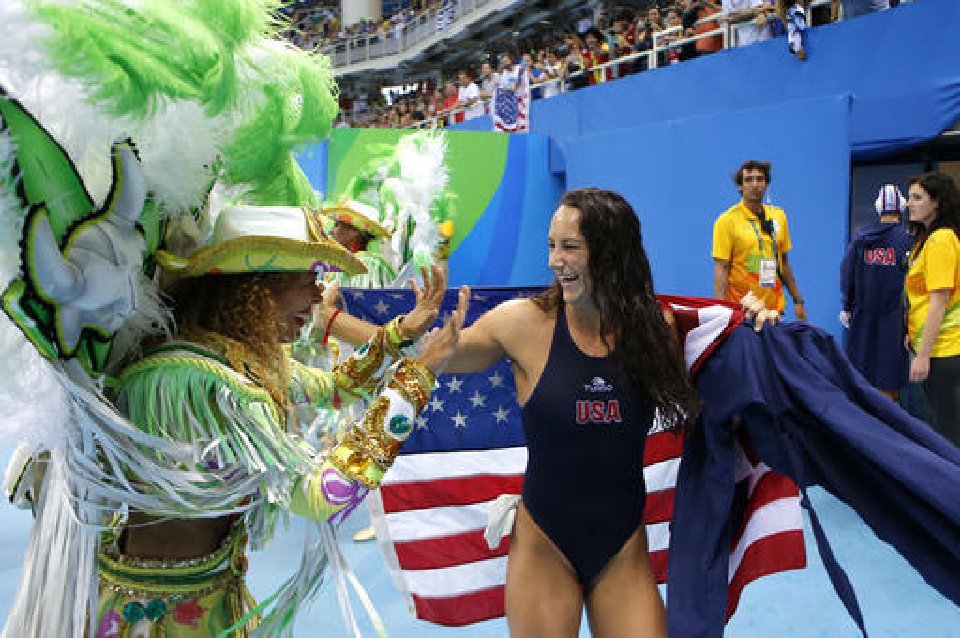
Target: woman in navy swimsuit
{"x":594,"y":359}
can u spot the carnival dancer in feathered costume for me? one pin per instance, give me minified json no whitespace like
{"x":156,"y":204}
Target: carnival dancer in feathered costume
{"x":151,"y":454}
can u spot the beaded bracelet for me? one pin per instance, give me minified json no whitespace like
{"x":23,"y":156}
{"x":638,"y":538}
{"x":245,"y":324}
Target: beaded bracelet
{"x":395,"y":340}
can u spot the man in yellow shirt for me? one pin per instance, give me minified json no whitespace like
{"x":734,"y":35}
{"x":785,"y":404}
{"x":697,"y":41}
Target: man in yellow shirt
{"x":750,"y":245}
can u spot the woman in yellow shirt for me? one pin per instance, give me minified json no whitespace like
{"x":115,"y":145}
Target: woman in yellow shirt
{"x":933,"y":293}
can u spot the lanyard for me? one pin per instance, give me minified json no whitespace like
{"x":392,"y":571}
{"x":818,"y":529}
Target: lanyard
{"x":773,"y":241}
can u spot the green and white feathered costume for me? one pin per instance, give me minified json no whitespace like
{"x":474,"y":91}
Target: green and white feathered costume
{"x":201,"y":94}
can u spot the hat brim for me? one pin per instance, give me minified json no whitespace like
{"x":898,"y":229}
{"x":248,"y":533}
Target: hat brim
{"x":343,"y":213}
{"x":260,"y":254}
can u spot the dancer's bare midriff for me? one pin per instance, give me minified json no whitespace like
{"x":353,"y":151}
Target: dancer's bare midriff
{"x":150,"y":537}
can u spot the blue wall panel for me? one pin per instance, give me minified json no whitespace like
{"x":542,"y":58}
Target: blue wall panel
{"x":313,"y":161}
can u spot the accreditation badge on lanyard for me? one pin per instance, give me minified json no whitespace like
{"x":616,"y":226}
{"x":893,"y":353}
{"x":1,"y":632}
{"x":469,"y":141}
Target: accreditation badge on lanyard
{"x":768,"y":267}
{"x":768,"y":273}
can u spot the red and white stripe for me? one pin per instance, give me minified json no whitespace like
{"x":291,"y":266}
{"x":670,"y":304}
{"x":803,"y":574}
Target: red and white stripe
{"x":432,"y":509}
{"x":431,"y":531}
{"x":523,"y":102}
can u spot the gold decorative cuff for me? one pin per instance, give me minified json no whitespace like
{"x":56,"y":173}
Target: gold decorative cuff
{"x":414,"y":382}
{"x":356,"y":464}
{"x":361,"y":370}
{"x":368,"y":449}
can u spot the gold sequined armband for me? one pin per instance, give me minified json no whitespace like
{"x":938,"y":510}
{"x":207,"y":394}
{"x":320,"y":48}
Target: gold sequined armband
{"x":368,"y":450}
{"x":359,"y":372}
{"x":414,"y":381}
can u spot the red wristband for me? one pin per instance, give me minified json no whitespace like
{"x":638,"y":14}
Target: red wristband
{"x":326,"y":333}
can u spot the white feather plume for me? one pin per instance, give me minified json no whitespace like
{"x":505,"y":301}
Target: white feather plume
{"x":34,"y":403}
{"x":423,"y":178}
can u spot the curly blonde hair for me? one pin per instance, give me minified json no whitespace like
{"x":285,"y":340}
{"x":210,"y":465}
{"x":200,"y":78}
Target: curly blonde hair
{"x":237,"y":316}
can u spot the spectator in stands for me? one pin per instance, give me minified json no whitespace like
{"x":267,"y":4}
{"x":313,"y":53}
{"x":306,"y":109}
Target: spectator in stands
{"x":871,"y":292}
{"x":596,"y":55}
{"x":419,"y":112}
{"x":672,"y":32}
{"x":488,"y":82}
{"x":750,"y":245}
{"x":405,"y":116}
{"x":625,"y":32}
{"x":450,"y":102}
{"x":695,"y":23}
{"x":654,"y":18}
{"x":468,"y":96}
{"x":535,"y":75}
{"x":933,"y":296}
{"x":551,"y":69}
{"x":644,"y":43}
{"x":508,"y":73}
{"x":574,"y":65}
{"x":751,"y":20}
{"x":431,"y":110}
{"x":621,"y":39}
{"x":856,"y":8}
{"x":438,"y":101}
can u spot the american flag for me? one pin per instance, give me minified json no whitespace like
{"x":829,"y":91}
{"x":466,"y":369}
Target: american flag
{"x":468,"y":449}
{"x":511,"y":107}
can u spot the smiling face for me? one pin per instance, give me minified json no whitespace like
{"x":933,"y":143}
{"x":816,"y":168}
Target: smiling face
{"x":569,"y":256}
{"x":294,"y":295}
{"x":922,"y":207}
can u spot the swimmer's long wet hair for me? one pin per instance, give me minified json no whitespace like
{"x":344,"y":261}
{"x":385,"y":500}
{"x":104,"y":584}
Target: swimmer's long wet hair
{"x":646,"y":348}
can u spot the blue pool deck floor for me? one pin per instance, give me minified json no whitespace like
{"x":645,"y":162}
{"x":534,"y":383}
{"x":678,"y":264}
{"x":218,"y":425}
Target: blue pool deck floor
{"x":800,"y":604}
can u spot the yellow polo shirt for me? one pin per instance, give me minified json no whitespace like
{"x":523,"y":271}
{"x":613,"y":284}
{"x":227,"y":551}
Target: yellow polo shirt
{"x":937,"y":267}
{"x":738,"y":238}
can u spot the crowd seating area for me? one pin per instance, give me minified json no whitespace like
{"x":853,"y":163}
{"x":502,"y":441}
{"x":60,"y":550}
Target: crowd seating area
{"x":317,"y":23}
{"x":600,"y":47}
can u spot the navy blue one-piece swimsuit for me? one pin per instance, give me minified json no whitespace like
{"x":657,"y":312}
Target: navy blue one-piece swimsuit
{"x":585,"y":433}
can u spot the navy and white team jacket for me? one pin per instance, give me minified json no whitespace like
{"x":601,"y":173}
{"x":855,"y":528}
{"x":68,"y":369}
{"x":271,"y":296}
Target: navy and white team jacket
{"x":871,"y":285}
